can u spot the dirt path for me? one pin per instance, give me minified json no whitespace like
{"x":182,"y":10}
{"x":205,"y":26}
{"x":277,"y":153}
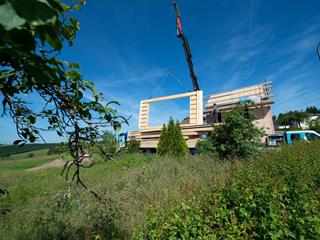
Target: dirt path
{"x":58,"y":163}
{"x":54,"y":164}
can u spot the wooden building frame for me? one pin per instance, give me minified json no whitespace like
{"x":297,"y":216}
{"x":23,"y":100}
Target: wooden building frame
{"x":196,"y":108}
{"x":199,"y":123}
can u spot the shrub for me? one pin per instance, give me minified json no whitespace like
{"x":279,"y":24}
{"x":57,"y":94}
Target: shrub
{"x":171,"y":142}
{"x":237,"y":137}
{"x":133,"y":146}
{"x":274,"y":196}
{"x":30,"y":155}
{"x":205,"y":148}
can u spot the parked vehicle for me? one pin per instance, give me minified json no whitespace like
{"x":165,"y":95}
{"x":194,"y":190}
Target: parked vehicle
{"x":274,"y":140}
{"x":122,"y":140}
{"x":290,"y":137}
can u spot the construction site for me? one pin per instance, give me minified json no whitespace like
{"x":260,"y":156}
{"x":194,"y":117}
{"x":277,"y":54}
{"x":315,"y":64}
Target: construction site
{"x":205,"y":112}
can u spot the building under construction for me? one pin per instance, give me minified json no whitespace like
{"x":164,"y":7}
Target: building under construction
{"x":200,"y":122}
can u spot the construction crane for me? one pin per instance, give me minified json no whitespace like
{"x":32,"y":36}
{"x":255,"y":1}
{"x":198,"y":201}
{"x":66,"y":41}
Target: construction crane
{"x":186,"y":47}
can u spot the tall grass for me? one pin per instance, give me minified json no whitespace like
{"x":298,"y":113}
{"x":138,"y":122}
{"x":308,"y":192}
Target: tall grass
{"x":131,"y":184}
{"x":272,"y":196}
{"x":155,"y":198}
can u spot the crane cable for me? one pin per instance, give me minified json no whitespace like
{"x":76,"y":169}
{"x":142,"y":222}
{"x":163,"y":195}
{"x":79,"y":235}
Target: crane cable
{"x":160,"y":83}
{"x":167,"y":74}
{"x":179,"y":81}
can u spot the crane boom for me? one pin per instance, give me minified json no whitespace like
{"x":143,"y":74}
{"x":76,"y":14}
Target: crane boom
{"x":186,"y":47}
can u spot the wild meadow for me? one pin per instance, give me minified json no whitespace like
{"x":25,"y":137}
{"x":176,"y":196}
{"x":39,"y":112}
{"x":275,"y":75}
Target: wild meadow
{"x":272,"y":195}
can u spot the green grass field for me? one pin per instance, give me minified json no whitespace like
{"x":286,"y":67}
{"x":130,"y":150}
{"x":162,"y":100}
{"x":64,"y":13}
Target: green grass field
{"x":26,"y":160}
{"x":276,"y":195}
{"x":8,"y":150}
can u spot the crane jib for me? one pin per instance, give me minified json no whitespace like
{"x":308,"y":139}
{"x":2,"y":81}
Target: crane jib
{"x":186,"y":47}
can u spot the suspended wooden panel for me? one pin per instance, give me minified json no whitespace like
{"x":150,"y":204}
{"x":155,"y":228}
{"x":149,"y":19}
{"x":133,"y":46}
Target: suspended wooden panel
{"x":196,"y":108}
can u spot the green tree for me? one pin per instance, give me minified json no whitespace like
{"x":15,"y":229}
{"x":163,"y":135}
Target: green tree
{"x":108,"y":145}
{"x":299,"y":117}
{"x":312,"y":110}
{"x":292,"y":118}
{"x":171,"y":142}
{"x":284,"y":120}
{"x":32,"y":35}
{"x":315,"y":125}
{"x":237,"y":137}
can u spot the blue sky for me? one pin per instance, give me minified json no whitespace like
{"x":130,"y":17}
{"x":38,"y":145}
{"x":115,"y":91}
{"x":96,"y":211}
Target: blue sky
{"x":126,"y":47}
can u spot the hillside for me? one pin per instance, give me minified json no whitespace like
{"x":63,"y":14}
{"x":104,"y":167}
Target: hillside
{"x":7,"y":150}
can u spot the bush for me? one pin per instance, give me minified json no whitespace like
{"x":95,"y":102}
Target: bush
{"x":237,"y":137}
{"x":30,"y":155}
{"x":274,"y":196}
{"x":171,"y":142}
{"x":133,"y":146}
{"x":205,"y":148}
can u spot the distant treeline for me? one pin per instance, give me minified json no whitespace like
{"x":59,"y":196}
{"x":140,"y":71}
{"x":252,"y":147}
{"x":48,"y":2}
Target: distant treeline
{"x":295,"y":119}
{"x":7,"y":150}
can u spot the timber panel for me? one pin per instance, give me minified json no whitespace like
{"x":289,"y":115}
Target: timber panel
{"x":196,"y":108}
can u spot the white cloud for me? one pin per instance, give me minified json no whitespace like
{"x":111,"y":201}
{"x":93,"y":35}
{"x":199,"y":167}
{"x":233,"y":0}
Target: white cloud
{"x":240,"y":54}
{"x":244,"y":47}
{"x":122,"y":79}
{"x":296,"y":93}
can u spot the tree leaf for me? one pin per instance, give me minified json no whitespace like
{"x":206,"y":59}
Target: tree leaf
{"x":17,"y":142}
{"x":82,"y":2}
{"x":53,"y":39}
{"x":74,"y":65}
{"x":9,"y":18}
{"x":77,"y":7}
{"x":32,"y":138}
{"x":75,"y":23}
{"x":116,"y":126}
{"x":32,"y":119}
{"x":7,"y":73}
{"x":57,"y":5}
{"x":35,"y":12}
{"x":113,"y":102}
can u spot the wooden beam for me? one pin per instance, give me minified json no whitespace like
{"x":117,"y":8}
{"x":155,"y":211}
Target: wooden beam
{"x":195,"y":113}
{"x":182,"y":95}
